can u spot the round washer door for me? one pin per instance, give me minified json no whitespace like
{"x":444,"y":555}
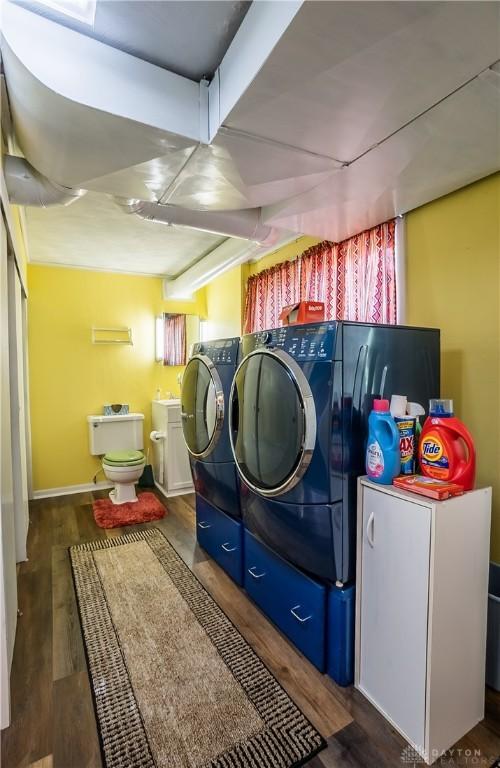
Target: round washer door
{"x":202,"y":406}
{"x":272,"y":422}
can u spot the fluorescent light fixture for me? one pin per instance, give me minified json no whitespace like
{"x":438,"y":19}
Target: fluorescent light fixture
{"x":81,"y":10}
{"x":160,"y":338}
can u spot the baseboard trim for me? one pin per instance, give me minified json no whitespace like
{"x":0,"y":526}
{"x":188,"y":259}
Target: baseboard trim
{"x":178,"y":492}
{"x":66,"y":490}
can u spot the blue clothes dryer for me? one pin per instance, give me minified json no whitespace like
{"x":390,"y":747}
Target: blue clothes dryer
{"x":205,"y":404}
{"x":300,"y":403}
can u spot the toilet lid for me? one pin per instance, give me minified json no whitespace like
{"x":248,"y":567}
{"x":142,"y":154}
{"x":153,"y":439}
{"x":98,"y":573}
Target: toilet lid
{"x":124,"y":458}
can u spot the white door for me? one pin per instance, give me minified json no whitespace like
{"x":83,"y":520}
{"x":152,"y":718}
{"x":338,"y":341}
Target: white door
{"x":8,"y":586}
{"x":18,"y":412}
{"x":394,"y":608}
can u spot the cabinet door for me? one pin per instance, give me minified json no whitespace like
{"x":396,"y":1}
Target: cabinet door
{"x":177,"y":460}
{"x":394,"y":608}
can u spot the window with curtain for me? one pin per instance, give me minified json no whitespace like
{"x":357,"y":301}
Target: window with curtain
{"x":267,"y":294}
{"x":174,"y":352}
{"x":356,"y":280}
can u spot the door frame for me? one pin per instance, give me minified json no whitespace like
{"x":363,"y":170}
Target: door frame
{"x":8,"y":579}
{"x":9,"y":237}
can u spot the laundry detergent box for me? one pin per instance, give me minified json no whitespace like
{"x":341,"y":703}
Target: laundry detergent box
{"x":428,"y":486}
{"x":303,"y":312}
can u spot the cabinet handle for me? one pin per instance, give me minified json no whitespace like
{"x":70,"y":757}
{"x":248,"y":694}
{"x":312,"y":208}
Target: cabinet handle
{"x":370,"y":529}
{"x":296,"y":615}
{"x":255,"y":575}
{"x":203,"y":524}
{"x":227,"y":548}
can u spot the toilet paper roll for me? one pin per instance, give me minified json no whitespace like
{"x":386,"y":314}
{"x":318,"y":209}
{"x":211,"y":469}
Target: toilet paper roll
{"x":157,"y":437}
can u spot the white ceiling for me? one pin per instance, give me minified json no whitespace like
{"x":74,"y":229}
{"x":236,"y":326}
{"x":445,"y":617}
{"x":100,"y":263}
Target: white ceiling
{"x":346,"y":75}
{"x":95,"y":234}
{"x":426,"y":159}
{"x":361,"y":111}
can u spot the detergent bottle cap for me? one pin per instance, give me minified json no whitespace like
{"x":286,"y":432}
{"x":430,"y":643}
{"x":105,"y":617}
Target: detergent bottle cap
{"x":442,"y":409}
{"x":381,"y":405}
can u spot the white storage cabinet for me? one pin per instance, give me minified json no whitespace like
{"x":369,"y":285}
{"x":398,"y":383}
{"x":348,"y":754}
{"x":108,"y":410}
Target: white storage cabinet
{"x":421,"y":606}
{"x":171,"y":466}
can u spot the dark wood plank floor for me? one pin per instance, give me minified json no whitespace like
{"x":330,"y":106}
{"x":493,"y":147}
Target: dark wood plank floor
{"x":53,"y":723}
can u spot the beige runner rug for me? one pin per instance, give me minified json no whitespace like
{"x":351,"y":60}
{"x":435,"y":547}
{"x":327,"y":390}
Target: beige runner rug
{"x":174,"y":683}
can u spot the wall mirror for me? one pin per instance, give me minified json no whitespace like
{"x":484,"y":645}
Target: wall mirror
{"x":175,"y":335}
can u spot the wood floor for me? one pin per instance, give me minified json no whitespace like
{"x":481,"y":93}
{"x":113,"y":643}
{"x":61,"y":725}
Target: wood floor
{"x":53,"y":723}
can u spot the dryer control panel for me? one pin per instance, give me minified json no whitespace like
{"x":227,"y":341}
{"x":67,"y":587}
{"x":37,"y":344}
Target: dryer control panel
{"x":220,"y":352}
{"x":313,"y":341}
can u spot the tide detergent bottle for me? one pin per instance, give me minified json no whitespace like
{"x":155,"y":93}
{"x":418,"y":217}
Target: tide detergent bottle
{"x":383,"y":459}
{"x":446,"y":448}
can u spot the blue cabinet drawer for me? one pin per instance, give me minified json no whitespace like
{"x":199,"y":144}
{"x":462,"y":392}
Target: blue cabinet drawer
{"x":205,"y":526}
{"x":229,"y":534}
{"x":221,"y":537}
{"x":292,"y":600}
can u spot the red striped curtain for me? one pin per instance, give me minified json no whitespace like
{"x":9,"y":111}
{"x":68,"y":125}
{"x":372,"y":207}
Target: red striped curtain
{"x":267,"y":294}
{"x":356,"y":280}
{"x":175,"y":340}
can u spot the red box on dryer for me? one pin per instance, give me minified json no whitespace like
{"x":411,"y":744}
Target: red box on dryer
{"x":303,"y":312}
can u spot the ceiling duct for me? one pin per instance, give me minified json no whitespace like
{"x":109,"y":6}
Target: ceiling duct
{"x":28,"y":187}
{"x":245,"y":224}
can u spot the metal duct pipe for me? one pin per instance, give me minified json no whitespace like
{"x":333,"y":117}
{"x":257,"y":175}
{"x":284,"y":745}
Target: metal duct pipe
{"x":245,"y":224}
{"x":28,"y":187}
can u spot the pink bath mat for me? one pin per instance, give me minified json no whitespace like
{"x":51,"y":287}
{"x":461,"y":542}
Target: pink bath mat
{"x":146,"y":508}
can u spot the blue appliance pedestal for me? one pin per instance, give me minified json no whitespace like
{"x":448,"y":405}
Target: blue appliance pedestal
{"x":292,"y":600}
{"x":307,"y":535}
{"x":318,"y":620}
{"x":221,"y":536}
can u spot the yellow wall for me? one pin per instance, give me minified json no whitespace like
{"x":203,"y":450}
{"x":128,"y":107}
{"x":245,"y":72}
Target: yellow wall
{"x":453,"y":283}
{"x":225,"y":303}
{"x":71,"y":378}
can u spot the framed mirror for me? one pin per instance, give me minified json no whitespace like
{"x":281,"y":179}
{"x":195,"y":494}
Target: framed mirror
{"x":175,"y":335}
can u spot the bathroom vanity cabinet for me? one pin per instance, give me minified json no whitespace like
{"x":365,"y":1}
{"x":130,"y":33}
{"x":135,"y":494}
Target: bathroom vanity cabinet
{"x":171,"y":466}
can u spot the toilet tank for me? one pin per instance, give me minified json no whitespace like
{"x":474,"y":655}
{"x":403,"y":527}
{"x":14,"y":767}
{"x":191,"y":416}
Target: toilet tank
{"x":116,"y":433}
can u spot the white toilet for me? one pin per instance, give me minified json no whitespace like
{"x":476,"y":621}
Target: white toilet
{"x":119,"y":440}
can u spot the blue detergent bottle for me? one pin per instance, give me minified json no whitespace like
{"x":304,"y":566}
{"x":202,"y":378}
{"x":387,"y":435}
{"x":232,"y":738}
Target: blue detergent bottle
{"x":383,"y":458}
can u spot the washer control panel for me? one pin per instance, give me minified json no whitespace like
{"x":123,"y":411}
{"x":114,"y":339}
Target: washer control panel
{"x":220,"y":352}
{"x":313,"y":341}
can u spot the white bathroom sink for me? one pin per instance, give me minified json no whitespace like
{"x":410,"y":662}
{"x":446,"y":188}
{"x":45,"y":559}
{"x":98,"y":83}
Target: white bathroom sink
{"x":171,"y":402}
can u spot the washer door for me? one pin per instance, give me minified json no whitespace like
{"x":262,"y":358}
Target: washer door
{"x":202,"y":406}
{"x":272,"y":422}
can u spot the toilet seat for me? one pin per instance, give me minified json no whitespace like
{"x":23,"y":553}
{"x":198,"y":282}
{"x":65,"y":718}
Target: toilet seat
{"x":123,"y":458}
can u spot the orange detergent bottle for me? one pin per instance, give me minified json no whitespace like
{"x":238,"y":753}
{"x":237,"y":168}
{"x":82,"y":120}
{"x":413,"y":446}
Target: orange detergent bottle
{"x":446,"y":448}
